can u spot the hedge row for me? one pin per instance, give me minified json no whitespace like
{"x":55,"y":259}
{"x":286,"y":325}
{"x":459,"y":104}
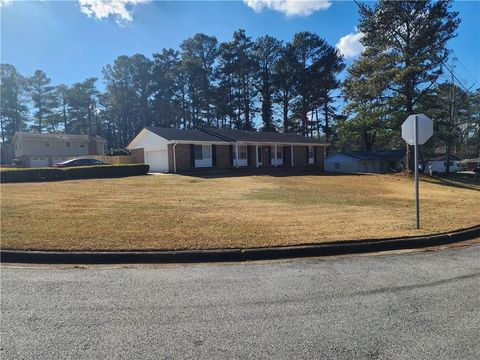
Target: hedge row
{"x":80,"y":172}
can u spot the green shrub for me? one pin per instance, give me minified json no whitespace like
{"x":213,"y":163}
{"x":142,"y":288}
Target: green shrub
{"x":86,"y":172}
{"x":80,"y":172}
{"x":29,"y":175}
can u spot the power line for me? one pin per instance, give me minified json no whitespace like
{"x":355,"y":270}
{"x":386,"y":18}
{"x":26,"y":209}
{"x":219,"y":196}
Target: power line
{"x":453,"y":76}
{"x":469,"y":73}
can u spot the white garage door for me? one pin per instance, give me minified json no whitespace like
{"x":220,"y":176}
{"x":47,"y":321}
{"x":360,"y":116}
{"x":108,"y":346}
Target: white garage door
{"x":39,"y":162}
{"x":158,"y":160}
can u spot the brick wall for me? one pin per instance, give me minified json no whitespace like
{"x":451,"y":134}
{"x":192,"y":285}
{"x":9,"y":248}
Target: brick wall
{"x":182,"y":153}
{"x":223,"y":156}
{"x":300,"y":156}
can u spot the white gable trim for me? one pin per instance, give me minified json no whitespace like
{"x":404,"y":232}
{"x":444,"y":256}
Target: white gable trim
{"x":149,"y":139}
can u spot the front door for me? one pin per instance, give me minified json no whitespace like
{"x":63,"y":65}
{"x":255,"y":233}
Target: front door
{"x":259,"y":155}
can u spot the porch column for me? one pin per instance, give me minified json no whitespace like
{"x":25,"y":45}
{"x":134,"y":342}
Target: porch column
{"x":275,"y":155}
{"x":256,"y":155}
{"x":291,"y":154}
{"x":236,"y":155}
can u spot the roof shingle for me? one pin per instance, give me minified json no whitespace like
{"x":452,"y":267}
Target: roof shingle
{"x":259,"y":136}
{"x":183,"y":135}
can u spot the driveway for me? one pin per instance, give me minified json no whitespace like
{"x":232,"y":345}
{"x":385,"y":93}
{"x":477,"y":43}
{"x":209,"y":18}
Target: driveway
{"x":423,"y":305}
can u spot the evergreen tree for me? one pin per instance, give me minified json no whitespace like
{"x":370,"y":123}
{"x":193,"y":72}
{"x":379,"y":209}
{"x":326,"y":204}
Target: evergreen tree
{"x":169,"y":90}
{"x":244,"y":68}
{"x":284,"y":85}
{"x":13,"y":108}
{"x":199,"y":55}
{"x":43,"y":98}
{"x":405,"y":47}
{"x":267,"y":51}
{"x":317,"y":62}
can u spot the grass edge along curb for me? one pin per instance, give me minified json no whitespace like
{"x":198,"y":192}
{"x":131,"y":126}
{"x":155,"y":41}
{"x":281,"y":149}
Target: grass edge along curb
{"x":235,"y":255}
{"x":72,"y":173}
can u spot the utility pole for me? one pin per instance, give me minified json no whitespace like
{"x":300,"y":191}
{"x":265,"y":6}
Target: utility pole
{"x":448,"y":148}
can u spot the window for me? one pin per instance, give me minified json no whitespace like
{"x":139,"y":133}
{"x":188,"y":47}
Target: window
{"x":207,"y":153}
{"x":46,"y":143}
{"x":203,"y":152}
{"x":242,"y":152}
{"x":68,"y":144}
{"x":311,"y":154}
{"x":198,"y":152}
{"x":82,"y":145}
{"x":280,"y":153}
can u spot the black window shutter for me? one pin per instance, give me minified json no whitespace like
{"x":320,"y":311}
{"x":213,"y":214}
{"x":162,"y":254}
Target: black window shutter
{"x":248,"y":155}
{"x":192,"y":155}
{"x":231,"y":155}
{"x":214,"y":155}
{"x":284,"y":155}
{"x":315,"y":148}
{"x":307,"y":154}
{"x":269,"y":155}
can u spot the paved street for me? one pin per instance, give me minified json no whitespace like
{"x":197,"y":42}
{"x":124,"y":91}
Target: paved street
{"x":403,"y":306}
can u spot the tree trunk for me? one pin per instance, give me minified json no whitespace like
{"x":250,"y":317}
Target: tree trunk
{"x":327,"y":121}
{"x":3,"y":132}
{"x":447,"y":158}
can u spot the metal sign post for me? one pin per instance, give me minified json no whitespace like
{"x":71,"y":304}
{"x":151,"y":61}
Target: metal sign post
{"x":417,"y":204}
{"x":416,"y":130}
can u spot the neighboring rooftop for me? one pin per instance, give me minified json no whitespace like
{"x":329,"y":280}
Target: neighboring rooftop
{"x":474,"y":160}
{"x":51,"y":136}
{"x":442,"y":157}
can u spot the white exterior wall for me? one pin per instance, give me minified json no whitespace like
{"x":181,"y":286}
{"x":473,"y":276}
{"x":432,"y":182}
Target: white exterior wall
{"x":439,"y":167}
{"x":350,"y":164}
{"x":345,"y":163}
{"x":155,"y":150}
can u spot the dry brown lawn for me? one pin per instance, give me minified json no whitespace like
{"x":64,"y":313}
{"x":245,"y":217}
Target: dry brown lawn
{"x":182,"y":212}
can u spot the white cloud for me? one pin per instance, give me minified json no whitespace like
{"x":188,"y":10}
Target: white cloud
{"x":350,"y":45}
{"x":5,"y":2}
{"x":290,"y":7}
{"x":101,"y":9}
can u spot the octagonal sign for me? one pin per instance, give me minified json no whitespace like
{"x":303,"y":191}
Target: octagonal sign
{"x":425,"y":129}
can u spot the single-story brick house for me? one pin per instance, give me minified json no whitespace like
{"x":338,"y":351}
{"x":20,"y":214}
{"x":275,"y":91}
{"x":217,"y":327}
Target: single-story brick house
{"x":177,"y":150}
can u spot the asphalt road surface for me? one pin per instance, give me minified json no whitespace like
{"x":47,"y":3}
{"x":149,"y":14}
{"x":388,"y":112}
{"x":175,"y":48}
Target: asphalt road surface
{"x":423,"y":305}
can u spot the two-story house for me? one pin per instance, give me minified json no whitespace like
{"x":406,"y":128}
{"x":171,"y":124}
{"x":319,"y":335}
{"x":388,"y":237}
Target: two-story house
{"x":41,"y":149}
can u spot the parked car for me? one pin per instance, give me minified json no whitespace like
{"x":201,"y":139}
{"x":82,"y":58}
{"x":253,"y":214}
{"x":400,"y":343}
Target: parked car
{"x":79,"y":162}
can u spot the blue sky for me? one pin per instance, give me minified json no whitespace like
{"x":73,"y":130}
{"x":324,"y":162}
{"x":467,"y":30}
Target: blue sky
{"x":71,"y":45}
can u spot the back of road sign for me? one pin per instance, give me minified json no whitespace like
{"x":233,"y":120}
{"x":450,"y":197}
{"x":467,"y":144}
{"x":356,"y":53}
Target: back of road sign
{"x":425,"y":129}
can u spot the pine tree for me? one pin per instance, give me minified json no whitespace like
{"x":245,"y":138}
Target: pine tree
{"x":405,"y":47}
{"x":43,"y":98}
{"x":13,"y":108}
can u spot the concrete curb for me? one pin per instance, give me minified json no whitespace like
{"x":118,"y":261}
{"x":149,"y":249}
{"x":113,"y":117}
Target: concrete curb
{"x":230,"y":255}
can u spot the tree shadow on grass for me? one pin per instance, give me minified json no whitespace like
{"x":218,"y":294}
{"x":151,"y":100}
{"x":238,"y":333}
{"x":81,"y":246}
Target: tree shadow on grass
{"x":455,"y":180}
{"x":282,"y":172}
